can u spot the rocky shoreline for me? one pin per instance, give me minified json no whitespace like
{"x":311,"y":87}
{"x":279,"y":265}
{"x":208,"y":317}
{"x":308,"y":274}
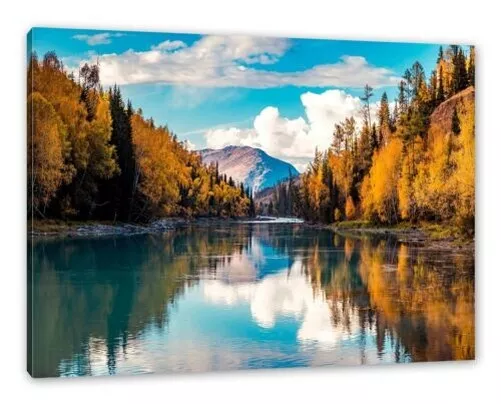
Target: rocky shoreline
{"x":53,"y":228}
{"x":41,"y":229}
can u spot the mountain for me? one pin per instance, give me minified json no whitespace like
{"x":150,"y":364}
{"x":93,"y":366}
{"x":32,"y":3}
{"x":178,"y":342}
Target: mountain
{"x":249,"y":165}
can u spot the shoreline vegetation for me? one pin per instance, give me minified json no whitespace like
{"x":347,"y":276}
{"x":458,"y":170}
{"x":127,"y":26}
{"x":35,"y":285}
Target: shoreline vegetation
{"x":429,"y":235}
{"x":93,"y":157}
{"x":98,"y":166}
{"x":407,"y":161}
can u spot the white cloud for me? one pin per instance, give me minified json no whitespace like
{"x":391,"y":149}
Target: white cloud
{"x":292,"y":139}
{"x":97,"y":39}
{"x":288,"y":293}
{"x":230,"y":61}
{"x":169,"y":45}
{"x":202,"y":131}
{"x":190,"y":145}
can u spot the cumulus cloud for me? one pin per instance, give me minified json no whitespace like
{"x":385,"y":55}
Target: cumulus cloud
{"x":292,"y":139}
{"x":288,"y":293}
{"x":190,"y":145}
{"x":97,"y":39}
{"x":230,"y":61}
{"x":169,"y":45}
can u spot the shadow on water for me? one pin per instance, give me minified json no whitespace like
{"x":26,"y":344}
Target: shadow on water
{"x":244,"y":296}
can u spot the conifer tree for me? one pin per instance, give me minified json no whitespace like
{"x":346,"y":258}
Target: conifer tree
{"x":89,"y":80}
{"x":252,"y":206}
{"x":394,"y":116}
{"x":433,"y":88}
{"x":471,"y":67}
{"x":455,"y":125}
{"x":384,"y":119}
{"x":440,"y":54}
{"x":271,"y":209}
{"x":440,"y":86}
{"x":402,"y":98}
{"x":218,"y":179}
{"x":366,"y":99}
{"x":374,"y":143}
{"x":459,"y":72}
{"x":120,"y":189}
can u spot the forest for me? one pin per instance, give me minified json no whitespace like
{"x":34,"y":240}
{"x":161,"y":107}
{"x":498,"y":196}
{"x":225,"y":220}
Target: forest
{"x":91,"y":155}
{"x":412,"y":161}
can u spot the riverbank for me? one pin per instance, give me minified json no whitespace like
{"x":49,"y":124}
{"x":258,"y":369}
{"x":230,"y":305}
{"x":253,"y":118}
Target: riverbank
{"x":63,"y":228}
{"x":41,"y":228}
{"x":430,"y":235}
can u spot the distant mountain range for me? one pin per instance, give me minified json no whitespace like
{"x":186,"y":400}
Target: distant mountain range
{"x":249,"y":165}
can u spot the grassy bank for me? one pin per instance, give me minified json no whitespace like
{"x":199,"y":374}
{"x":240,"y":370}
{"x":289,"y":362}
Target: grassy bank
{"x":59,"y":226}
{"x":90,"y":228}
{"x":439,"y":235}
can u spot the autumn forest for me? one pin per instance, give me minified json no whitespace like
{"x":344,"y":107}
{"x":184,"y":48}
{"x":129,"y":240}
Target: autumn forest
{"x":413,"y":162}
{"x":209,"y":202}
{"x":93,"y":155}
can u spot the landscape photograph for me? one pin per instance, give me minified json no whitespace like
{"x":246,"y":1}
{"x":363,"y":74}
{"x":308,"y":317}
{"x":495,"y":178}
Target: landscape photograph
{"x":204,"y":202}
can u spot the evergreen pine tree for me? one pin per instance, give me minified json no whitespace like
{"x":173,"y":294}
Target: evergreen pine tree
{"x":440,"y":86}
{"x":471,"y":67}
{"x":402,"y":98}
{"x":271,"y":209}
{"x":384,"y":120}
{"x":218,"y":179}
{"x":433,"y":88}
{"x":394,"y":117}
{"x":455,"y":126}
{"x":366,"y":99}
{"x":374,"y":142}
{"x":119,"y":190}
{"x":459,"y":73}
{"x":440,"y":54}
{"x":252,"y":206}
{"x":463,"y":72}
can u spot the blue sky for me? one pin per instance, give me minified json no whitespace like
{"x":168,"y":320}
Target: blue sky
{"x":283,"y":95}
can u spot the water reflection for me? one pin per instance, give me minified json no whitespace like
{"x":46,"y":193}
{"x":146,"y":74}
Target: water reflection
{"x":247,"y":296}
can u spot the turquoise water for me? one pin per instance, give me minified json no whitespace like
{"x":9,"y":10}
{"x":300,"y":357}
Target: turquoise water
{"x":244,"y":296}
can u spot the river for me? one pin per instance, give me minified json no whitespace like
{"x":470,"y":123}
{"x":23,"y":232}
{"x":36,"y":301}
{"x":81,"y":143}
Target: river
{"x":241,"y":296}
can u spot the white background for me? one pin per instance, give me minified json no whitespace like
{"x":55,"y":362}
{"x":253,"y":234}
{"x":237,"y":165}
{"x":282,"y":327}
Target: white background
{"x":425,"y":21}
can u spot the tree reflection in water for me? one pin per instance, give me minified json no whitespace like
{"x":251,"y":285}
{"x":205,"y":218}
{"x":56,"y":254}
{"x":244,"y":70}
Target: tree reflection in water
{"x":313,"y":296}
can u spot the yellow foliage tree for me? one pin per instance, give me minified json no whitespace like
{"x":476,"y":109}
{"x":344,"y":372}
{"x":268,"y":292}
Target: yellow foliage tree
{"x":463,"y":178}
{"x":161,"y":171}
{"x":46,"y":152}
{"x":382,"y":183}
{"x":350,"y":209}
{"x":102,"y":156}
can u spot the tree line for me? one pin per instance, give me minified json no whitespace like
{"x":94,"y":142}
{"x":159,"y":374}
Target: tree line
{"x":92,"y":156}
{"x":402,"y":163}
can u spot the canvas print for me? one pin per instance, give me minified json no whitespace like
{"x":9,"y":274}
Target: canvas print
{"x":220,"y":202}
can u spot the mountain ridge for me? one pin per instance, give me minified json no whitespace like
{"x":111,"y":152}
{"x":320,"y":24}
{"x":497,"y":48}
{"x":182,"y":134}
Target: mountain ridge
{"x":251,"y":166}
